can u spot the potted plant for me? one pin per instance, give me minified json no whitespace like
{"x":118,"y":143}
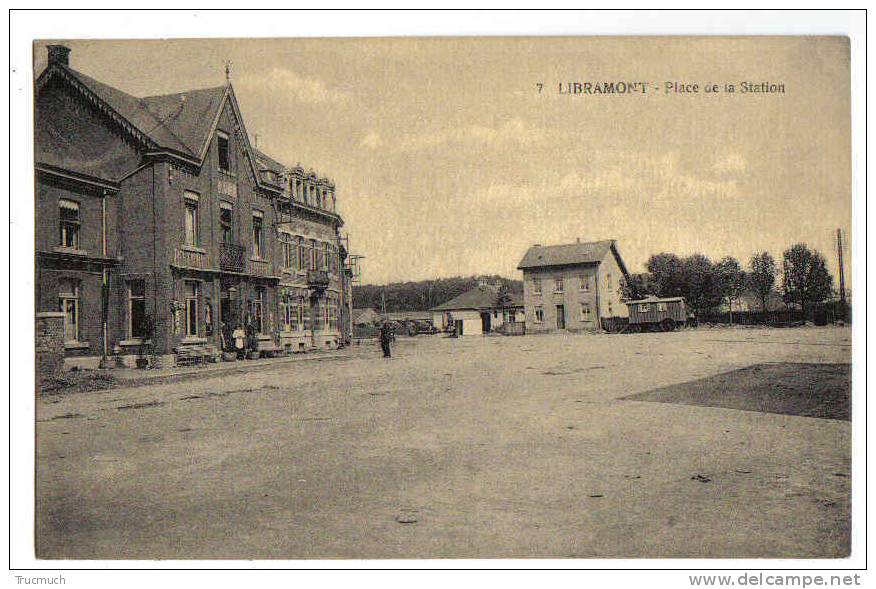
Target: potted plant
{"x":148,"y":329}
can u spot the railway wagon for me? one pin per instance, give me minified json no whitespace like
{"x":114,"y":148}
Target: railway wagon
{"x":657,"y":314}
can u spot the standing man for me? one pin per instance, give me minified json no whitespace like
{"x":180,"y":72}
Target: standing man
{"x":386,"y":338}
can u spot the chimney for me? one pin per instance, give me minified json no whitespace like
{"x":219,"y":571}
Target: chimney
{"x":577,"y":240}
{"x":59,"y":54}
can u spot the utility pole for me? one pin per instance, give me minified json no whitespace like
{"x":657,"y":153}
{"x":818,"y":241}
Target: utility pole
{"x":842,"y":279}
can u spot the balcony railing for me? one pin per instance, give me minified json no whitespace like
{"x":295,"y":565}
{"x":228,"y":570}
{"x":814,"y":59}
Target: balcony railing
{"x":259,"y":267}
{"x":232,"y":257}
{"x":189,"y":258}
{"x":318,"y":279}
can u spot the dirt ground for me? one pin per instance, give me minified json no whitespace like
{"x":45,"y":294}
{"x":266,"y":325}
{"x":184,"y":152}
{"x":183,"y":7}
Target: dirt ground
{"x":477,"y":447}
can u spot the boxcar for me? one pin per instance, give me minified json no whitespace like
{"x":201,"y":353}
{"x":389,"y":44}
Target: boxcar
{"x":653,"y":313}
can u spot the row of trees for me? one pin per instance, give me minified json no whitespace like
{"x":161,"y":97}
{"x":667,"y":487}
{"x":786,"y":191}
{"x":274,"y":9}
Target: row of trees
{"x":425,"y":294}
{"x":706,"y":285}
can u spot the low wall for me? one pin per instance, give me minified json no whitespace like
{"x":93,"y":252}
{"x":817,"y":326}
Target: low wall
{"x":49,"y":345}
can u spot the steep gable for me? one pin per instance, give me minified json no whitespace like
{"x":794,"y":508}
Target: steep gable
{"x":71,"y":133}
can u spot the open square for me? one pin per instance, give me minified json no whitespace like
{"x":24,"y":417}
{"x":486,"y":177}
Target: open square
{"x":477,"y":447}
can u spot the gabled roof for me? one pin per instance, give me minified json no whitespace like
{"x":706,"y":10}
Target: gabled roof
{"x":182,"y":122}
{"x":480,"y":297}
{"x":539,"y":256}
{"x":187,"y":116}
{"x":366,"y":312}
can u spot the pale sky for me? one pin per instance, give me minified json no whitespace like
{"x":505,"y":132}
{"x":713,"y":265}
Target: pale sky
{"x":449,"y":162}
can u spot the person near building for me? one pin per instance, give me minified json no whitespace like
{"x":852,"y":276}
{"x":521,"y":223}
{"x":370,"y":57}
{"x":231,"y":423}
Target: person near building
{"x":386,"y":339}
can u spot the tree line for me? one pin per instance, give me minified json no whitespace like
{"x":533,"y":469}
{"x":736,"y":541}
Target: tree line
{"x":425,"y":294}
{"x":705,"y":285}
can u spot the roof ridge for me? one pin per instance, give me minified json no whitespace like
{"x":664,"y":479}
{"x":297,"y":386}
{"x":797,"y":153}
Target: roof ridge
{"x":190,"y":90}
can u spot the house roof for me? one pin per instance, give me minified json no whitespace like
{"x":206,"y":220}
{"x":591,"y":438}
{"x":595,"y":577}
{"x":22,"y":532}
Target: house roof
{"x":266,"y":162}
{"x":180,"y":121}
{"x":364,"y":311}
{"x":187,"y":116}
{"x":480,"y":297}
{"x":539,"y":256}
{"x":656,"y":300}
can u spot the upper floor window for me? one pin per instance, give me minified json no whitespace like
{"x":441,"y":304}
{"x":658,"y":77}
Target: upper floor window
{"x":536,"y":286}
{"x":224,"y":152}
{"x":558,"y":284}
{"x":608,"y":281}
{"x":584,"y":282}
{"x":68,"y":303}
{"x":69,"y":212}
{"x":661,"y":307}
{"x":643,"y":308}
{"x":257,"y":237}
{"x":327,"y":265}
{"x":225,"y":222}
{"x":191,"y":218}
{"x":314,"y":252}
{"x":302,"y":255}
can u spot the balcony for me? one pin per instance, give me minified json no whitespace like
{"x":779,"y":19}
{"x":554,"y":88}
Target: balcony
{"x":232,"y":258}
{"x":317,"y":279}
{"x":190,"y":257}
{"x":259,"y":267}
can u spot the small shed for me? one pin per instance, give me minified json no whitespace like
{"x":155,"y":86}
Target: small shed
{"x":365,"y":317}
{"x":652,"y":312}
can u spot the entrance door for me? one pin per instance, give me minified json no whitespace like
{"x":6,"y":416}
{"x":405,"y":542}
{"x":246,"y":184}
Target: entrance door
{"x":459,"y":324}
{"x":485,"y":322}
{"x":561,"y":317}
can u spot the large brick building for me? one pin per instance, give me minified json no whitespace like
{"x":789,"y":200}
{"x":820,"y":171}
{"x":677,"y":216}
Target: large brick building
{"x":572,"y":287}
{"x":158,"y":210}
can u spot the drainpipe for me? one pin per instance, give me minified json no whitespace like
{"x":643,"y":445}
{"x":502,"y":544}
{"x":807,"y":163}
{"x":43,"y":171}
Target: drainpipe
{"x":598,"y":310}
{"x":104,"y":291}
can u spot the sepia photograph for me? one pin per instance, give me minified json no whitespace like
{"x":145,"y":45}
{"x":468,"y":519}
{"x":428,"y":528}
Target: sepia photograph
{"x":437,"y":297}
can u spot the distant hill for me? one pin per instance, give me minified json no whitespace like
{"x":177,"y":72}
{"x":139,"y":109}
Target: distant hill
{"x":422,"y":295}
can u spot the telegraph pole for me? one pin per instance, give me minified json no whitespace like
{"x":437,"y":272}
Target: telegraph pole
{"x":842,"y":279}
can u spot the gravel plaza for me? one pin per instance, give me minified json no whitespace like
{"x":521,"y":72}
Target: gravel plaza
{"x":684,"y":444}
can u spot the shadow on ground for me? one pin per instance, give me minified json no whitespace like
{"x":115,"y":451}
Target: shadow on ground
{"x":807,"y":390}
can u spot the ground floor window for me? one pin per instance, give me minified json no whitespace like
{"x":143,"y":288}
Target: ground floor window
{"x":137,"y":309}
{"x":539,"y":314}
{"x":68,"y":303}
{"x":292,"y":310}
{"x":585,"y":312}
{"x":307,"y":313}
{"x":317,"y":311}
{"x":331,"y":312}
{"x":191,"y":296}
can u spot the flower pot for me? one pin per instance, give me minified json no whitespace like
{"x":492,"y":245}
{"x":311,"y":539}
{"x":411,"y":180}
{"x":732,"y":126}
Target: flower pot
{"x":229,"y":356}
{"x":253,"y":355}
{"x":142,"y":362}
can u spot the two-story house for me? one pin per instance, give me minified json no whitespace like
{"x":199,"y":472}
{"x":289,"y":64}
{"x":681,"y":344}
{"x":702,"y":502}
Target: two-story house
{"x":572,"y":286}
{"x":157,"y":211}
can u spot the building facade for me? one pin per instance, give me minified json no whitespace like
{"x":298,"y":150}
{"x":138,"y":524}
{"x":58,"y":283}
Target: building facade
{"x":572,"y":287}
{"x":158,"y":221}
{"x":478,"y":311}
